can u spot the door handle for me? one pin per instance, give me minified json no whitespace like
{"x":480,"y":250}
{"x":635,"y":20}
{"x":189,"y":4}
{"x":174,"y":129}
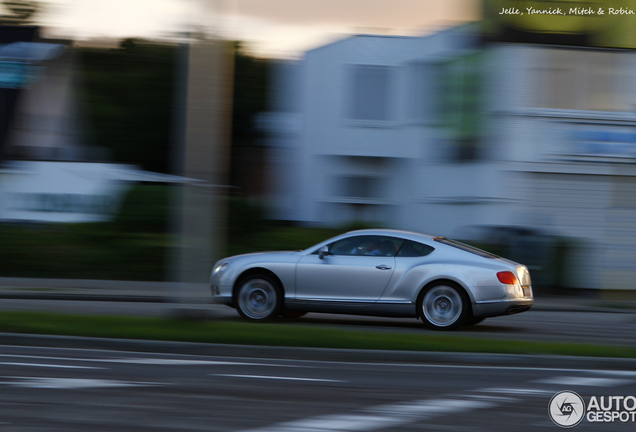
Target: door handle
{"x":383,"y":267}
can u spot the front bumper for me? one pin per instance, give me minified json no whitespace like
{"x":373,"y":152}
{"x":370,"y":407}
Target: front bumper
{"x":221,"y":295}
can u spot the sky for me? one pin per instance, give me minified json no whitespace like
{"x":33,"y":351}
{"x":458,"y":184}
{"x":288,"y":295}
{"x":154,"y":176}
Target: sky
{"x":272,"y":28}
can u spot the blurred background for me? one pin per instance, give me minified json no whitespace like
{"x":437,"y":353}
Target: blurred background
{"x":144,"y":140}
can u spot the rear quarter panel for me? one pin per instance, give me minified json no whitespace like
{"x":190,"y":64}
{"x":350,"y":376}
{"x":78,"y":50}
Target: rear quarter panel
{"x":478,"y":277}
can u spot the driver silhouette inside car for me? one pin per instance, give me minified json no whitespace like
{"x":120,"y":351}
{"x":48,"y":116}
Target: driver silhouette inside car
{"x":372,"y":247}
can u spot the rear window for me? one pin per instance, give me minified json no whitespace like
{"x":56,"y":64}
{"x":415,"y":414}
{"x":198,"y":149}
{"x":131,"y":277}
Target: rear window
{"x":465,"y":247}
{"x":414,"y":249}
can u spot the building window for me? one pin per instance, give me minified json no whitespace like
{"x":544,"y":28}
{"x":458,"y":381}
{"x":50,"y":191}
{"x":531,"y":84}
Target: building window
{"x":363,"y":187}
{"x":422,"y":95}
{"x":581,"y":80}
{"x":370,"y":88}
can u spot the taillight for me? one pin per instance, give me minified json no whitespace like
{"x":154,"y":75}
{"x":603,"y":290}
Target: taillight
{"x":507,"y":278}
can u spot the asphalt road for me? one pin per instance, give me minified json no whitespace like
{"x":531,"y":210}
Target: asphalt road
{"x":192,"y":387}
{"x":56,"y":389}
{"x":612,"y":327}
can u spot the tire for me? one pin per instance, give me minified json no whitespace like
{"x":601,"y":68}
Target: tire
{"x":258,"y":297}
{"x":443,"y":306}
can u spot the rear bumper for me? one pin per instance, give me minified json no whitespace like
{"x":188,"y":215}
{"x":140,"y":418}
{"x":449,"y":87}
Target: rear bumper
{"x":509,"y":307}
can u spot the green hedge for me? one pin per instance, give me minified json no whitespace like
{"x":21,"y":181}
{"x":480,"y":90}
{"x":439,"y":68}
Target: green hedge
{"x":137,"y":244}
{"x":134,"y":246}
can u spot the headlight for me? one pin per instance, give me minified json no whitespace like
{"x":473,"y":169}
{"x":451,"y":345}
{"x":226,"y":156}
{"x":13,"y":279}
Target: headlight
{"x":219,"y":268}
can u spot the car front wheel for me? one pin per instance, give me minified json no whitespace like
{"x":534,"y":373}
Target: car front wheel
{"x":258,"y":298}
{"x":443,"y":306}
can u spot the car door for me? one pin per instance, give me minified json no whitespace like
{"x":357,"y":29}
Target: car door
{"x":353,"y":270}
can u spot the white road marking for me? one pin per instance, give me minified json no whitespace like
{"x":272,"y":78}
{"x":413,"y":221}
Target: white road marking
{"x":336,"y":423}
{"x":584,"y":381}
{"x":496,"y":368}
{"x":517,"y":391}
{"x":188,"y":362}
{"x":380,"y":417}
{"x":395,"y":415}
{"x":153,"y":361}
{"x":277,"y":377}
{"x":47,"y":357}
{"x":428,"y":407}
{"x":493,"y":398}
{"x":405,"y":365}
{"x":71,"y":383}
{"x":619,"y":373}
{"x":49,"y":365}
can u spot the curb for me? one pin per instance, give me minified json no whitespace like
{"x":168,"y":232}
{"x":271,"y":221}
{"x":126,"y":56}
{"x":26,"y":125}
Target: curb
{"x":85,"y":297}
{"x":133,"y":298}
{"x":321,"y":354}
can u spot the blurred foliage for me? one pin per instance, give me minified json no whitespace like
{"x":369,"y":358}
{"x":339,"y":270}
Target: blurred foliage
{"x":548,"y":257}
{"x":135,"y":246}
{"x":282,"y":238}
{"x":285,"y":334}
{"x":251,"y":91}
{"x":246,"y":219}
{"x":145,"y":209}
{"x":129,"y":96}
{"x":251,"y":80}
{"x":250,"y":231}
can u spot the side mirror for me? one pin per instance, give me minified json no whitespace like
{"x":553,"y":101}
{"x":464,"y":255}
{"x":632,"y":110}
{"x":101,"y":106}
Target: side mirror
{"x":323,"y":251}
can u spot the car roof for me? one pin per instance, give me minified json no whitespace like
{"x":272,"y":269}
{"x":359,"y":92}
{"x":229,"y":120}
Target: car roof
{"x":393,"y":233}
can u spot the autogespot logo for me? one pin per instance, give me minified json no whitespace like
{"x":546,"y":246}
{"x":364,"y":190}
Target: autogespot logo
{"x":566,"y":409}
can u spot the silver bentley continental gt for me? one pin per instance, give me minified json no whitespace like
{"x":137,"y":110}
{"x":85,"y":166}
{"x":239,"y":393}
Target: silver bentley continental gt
{"x":376,"y":272}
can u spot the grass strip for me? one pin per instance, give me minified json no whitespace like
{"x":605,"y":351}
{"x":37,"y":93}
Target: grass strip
{"x":284,"y":334}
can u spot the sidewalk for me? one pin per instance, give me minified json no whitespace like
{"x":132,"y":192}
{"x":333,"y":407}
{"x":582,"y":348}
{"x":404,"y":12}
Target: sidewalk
{"x":166,"y":292}
{"x":101,"y":290}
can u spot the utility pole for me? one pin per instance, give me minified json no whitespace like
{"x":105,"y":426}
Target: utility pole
{"x":200,"y":213}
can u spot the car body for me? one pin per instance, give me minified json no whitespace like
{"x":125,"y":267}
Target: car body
{"x":376,"y":272}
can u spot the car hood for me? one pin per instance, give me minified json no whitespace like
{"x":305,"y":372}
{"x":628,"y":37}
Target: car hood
{"x":255,"y":254}
{"x":261,"y":256}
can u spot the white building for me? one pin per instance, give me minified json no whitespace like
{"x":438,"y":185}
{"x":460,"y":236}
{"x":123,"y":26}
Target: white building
{"x":363,"y":128}
{"x":565,"y":120}
{"x":436,"y":133}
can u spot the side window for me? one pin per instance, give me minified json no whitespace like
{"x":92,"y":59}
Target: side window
{"x":414,"y":249}
{"x":389,"y":246}
{"x":349,"y":246}
{"x":366,"y":246}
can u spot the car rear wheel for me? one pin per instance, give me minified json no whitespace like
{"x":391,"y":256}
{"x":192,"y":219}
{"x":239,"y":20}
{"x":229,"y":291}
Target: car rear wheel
{"x":258,"y":297}
{"x":443,"y":306}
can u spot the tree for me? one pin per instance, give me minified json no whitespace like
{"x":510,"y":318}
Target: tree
{"x":251,"y":88}
{"x":129,"y":96}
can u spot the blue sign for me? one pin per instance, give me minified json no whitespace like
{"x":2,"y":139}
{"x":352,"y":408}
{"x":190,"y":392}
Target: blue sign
{"x":15,"y":74}
{"x":605,"y":143}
